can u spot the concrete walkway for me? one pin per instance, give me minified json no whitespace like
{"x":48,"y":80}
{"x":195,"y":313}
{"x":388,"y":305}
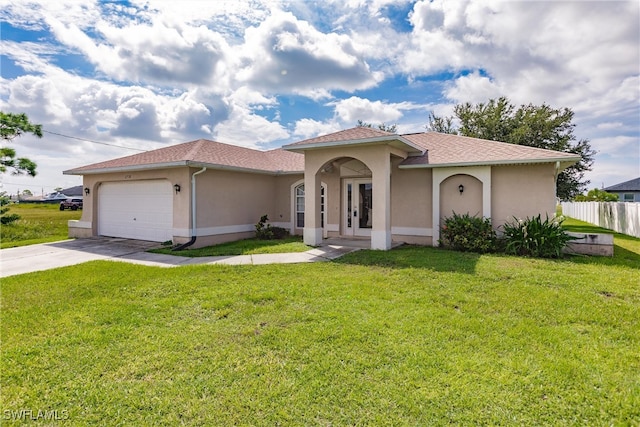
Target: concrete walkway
{"x":27,"y":259}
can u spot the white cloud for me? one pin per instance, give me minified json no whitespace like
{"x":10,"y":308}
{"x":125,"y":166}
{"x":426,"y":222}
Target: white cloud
{"x":247,"y":129}
{"x":609,"y":125}
{"x":558,"y":52}
{"x":352,"y":109}
{"x":618,"y":160}
{"x":472,"y":88}
{"x":309,"y":128}
{"x":154,"y":53}
{"x":31,"y":14}
{"x":285,"y":54}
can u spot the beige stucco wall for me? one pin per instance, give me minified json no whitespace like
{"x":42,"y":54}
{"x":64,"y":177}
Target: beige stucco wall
{"x":411,"y":198}
{"x":522,"y":191}
{"x":231,"y":202}
{"x":282,"y":198}
{"x":228,"y":198}
{"x":467,"y":202}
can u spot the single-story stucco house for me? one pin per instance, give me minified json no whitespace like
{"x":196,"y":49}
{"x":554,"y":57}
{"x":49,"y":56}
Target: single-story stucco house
{"x":357,"y":183}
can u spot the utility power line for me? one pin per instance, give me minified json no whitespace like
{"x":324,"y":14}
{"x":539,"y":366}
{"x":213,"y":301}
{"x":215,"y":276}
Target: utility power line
{"x":92,"y":141}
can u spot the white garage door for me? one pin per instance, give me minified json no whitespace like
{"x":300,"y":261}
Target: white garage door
{"x":140,"y":210}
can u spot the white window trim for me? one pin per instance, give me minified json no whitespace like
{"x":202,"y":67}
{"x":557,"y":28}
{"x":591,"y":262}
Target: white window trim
{"x":295,"y":185}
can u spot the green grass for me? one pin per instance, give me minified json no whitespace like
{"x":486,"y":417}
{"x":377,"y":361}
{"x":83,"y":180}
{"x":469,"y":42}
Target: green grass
{"x":39,"y":223}
{"x":413,"y":336}
{"x":625,"y":248}
{"x":243,"y":247}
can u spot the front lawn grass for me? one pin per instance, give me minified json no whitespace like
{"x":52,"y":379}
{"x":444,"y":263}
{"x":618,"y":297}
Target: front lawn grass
{"x":243,"y":247}
{"x":413,"y":336}
{"x":625,"y":247}
{"x":39,"y":223}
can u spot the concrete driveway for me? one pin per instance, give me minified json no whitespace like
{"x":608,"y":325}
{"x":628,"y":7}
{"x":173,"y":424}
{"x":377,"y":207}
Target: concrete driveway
{"x":27,"y":259}
{"x":45,"y":256}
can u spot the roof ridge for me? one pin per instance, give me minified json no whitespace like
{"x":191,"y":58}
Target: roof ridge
{"x":502,"y":143}
{"x":194,"y":150}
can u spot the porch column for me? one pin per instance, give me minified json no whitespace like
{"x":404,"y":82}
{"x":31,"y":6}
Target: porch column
{"x":381,"y":180}
{"x":312,"y":232}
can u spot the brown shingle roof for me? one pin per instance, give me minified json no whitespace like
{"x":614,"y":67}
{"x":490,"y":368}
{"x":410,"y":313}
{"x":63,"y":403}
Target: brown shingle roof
{"x":445,"y":149}
{"x":206,"y":153}
{"x":356,"y":133}
{"x":439,"y":150}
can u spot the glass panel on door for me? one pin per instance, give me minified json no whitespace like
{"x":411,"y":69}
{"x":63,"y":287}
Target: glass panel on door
{"x":365,"y":206}
{"x":349,"y":196}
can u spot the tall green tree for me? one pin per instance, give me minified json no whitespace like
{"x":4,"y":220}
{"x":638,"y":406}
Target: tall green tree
{"x":12,"y":126}
{"x":538,"y":126}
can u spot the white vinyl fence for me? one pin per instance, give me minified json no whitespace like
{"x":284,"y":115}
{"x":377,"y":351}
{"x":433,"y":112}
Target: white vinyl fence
{"x":621,"y":217}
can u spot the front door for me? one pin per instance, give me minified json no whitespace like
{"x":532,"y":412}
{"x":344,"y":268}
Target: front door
{"x":358,"y":207}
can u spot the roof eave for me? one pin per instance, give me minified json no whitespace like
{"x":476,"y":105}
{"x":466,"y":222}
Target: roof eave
{"x":130,"y":168}
{"x":413,"y":148}
{"x":182,"y":163}
{"x":241,"y":169}
{"x":564,"y":161}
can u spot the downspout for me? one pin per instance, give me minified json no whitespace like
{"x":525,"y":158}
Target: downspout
{"x":555,"y":179}
{"x":193,"y":212}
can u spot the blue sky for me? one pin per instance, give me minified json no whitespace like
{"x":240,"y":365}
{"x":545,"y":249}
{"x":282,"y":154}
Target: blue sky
{"x":147,"y":74}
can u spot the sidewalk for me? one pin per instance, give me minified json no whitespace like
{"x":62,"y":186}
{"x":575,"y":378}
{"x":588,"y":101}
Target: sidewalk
{"x":323,"y":253}
{"x":46,"y":256}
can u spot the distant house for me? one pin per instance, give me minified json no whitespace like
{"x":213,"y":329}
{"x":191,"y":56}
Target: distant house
{"x":628,"y":191}
{"x":73,"y":191}
{"x":358,"y":183}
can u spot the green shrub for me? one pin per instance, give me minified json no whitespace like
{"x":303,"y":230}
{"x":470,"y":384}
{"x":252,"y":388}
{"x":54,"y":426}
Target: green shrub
{"x":266,"y":231}
{"x":6,"y":218}
{"x":468,"y":234}
{"x":535,"y":237}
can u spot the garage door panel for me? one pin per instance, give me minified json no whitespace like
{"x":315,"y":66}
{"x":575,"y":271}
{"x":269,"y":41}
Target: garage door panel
{"x":136,"y":210}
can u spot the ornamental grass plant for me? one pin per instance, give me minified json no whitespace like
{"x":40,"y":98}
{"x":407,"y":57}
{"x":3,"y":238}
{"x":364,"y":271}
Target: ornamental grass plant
{"x":536,"y":237}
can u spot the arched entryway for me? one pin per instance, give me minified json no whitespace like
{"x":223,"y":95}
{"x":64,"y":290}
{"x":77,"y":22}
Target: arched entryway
{"x":358,"y":187}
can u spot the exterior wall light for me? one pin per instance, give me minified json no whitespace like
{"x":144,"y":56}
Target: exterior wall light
{"x":461,"y":188}
{"x":87,"y":191}
{"x":177,"y":188}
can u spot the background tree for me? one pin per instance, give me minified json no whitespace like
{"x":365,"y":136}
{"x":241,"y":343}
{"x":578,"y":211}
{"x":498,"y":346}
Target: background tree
{"x":441,"y":124}
{"x":596,"y":195}
{"x":11,"y":126}
{"x":6,"y":218}
{"x":384,"y":127}
{"x":27,"y":193}
{"x":533,"y":125}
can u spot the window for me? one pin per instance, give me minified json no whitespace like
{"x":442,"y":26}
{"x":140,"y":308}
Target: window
{"x":299,"y":206}
{"x":627,"y":197}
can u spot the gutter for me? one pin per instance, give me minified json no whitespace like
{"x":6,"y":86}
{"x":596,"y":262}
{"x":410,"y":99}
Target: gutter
{"x":193,"y":212}
{"x":557,"y":161}
{"x":182,"y":163}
